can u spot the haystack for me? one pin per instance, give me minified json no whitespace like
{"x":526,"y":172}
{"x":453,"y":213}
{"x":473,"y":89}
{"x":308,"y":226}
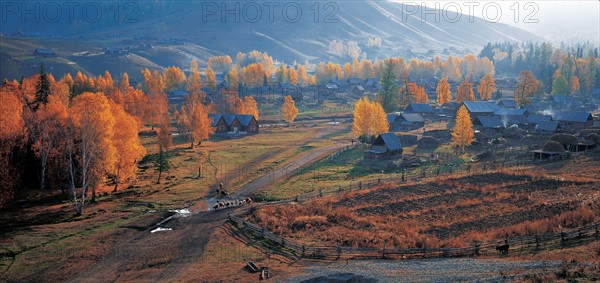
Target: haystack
{"x":553,"y":146}
{"x":586,"y":132}
{"x":565,"y":139}
{"x":427,"y":142}
{"x":595,"y":138}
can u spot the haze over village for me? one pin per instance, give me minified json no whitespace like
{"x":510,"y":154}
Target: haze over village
{"x":294,"y":141}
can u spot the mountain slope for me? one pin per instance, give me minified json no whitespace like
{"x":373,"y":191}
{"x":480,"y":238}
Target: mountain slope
{"x":203,"y":28}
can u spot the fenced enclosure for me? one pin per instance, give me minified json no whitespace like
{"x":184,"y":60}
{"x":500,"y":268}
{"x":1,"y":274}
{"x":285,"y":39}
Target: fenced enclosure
{"x":517,"y":245}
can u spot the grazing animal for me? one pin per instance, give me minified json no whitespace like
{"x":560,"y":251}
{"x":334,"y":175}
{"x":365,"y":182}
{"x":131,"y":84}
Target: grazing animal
{"x":227,"y":203}
{"x":503,"y":249}
{"x":221,"y":204}
{"x":248,"y":200}
{"x":224,"y":193}
{"x":242,"y":202}
{"x":216,"y":206}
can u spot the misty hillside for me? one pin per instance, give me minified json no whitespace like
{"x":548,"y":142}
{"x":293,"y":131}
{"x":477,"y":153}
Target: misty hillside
{"x":182,"y":30}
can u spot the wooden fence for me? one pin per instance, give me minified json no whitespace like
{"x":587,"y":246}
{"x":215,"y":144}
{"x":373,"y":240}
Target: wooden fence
{"x":519,"y":245}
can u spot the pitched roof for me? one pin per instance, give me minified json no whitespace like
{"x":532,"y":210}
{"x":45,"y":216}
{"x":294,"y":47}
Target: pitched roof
{"x":391,"y":117}
{"x":548,"y":126}
{"x":244,"y":119}
{"x":355,"y":80}
{"x":359,"y":87}
{"x":481,"y":106}
{"x":419,"y":108}
{"x":413,"y":117}
{"x":567,"y":116}
{"x":507,"y":103}
{"x":390,"y":140}
{"x":339,"y":82}
{"x":517,"y":119}
{"x":490,"y":122}
{"x":536,"y":118}
{"x":331,"y":86}
{"x":510,"y":111}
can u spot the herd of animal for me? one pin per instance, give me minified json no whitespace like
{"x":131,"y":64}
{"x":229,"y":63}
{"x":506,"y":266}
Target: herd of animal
{"x":231,"y":203}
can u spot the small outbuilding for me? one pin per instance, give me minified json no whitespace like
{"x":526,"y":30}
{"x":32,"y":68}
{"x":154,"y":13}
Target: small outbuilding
{"x":385,"y":145}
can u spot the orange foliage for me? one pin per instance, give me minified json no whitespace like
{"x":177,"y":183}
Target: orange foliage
{"x":464,"y":92}
{"x":251,"y":107}
{"x":289,"y":109}
{"x":443,"y":92}
{"x":174,"y":79}
{"x":129,"y":149}
{"x":487,"y":86}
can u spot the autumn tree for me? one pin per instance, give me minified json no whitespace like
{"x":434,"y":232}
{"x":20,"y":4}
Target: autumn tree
{"x":90,"y":149}
{"x":158,"y":103}
{"x":253,"y":75}
{"x":464,"y":92}
{"x":210,"y":79}
{"x":419,"y":94}
{"x":128,"y":147}
{"x":527,"y":85}
{"x":443,"y":92}
{"x":369,"y":119}
{"x":559,"y":84}
{"x":348,"y":72}
{"x":293,"y":75}
{"x":11,"y":134}
{"x":231,"y":103}
{"x":251,"y":107}
{"x":463,"y":134}
{"x":164,"y":143}
{"x":45,"y":127}
{"x":174,"y":79}
{"x":487,"y":86}
{"x":302,"y":75}
{"x":220,"y":64}
{"x":289,"y":109}
{"x":574,"y":86}
{"x":232,"y":78}
{"x":387,"y":95}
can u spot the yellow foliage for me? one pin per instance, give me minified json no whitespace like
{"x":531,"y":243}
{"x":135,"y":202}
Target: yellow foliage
{"x":369,"y":118}
{"x":463,"y":134}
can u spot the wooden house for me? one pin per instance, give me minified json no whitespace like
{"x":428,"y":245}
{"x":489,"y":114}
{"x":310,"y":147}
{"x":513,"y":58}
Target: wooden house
{"x":237,"y":124}
{"x":385,"y":145}
{"x":572,"y":120}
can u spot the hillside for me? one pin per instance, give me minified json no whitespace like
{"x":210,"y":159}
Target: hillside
{"x":181,"y":30}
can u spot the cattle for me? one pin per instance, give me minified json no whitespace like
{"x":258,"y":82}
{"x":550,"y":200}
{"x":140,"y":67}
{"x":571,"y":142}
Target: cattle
{"x":503,"y":249}
{"x":248,"y":200}
{"x":223,"y":193}
{"x":216,"y":206}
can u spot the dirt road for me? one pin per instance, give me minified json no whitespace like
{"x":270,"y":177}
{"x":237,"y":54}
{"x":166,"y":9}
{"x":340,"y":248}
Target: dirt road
{"x":278,"y":175}
{"x":174,"y":255}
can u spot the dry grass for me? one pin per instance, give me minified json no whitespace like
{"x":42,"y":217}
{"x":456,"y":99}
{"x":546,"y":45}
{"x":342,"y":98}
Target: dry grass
{"x":447,"y":212}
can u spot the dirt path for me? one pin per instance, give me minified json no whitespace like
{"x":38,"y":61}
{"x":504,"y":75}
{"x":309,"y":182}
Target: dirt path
{"x":282,"y":172}
{"x":174,"y":255}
